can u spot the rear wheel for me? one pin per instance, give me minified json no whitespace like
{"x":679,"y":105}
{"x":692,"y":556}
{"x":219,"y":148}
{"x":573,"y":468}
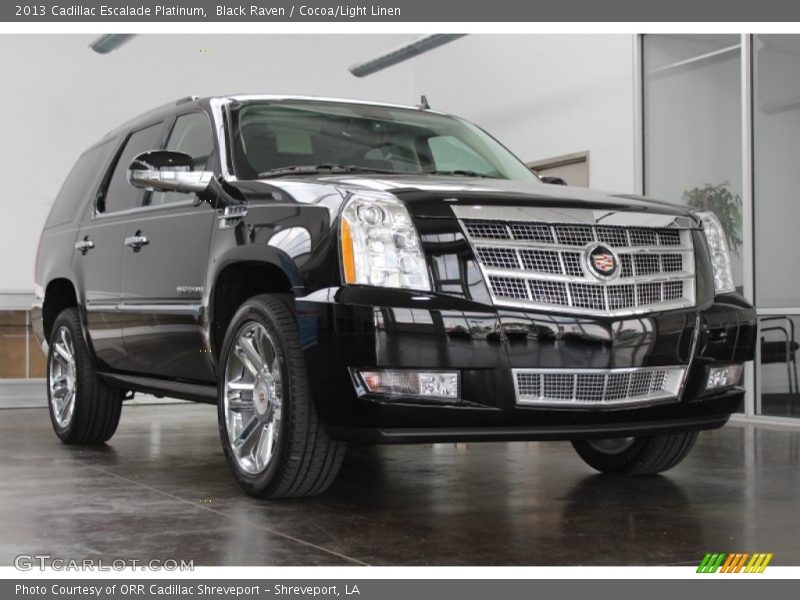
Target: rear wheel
{"x":83,"y":408}
{"x":636,"y":455}
{"x":272,"y":438}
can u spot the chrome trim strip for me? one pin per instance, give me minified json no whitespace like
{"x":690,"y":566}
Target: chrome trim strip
{"x":620,"y":281}
{"x":671,"y":390}
{"x":101,"y":307}
{"x":692,"y":352}
{"x":195,"y":310}
{"x":574,"y":310}
{"x":143,"y":209}
{"x":575,"y":216}
{"x":218,"y":106}
{"x":499,"y":242}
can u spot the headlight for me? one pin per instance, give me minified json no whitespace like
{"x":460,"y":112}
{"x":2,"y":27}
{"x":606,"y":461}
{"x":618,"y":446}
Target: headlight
{"x":720,"y":256}
{"x":380,"y":245}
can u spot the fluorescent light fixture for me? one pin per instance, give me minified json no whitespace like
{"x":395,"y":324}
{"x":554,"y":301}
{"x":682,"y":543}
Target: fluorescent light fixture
{"x":428,"y":384}
{"x":110,"y":42}
{"x":403,"y":53}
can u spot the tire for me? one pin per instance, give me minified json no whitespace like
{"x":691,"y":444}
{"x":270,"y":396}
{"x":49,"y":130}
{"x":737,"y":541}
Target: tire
{"x":83,"y":408}
{"x":636,"y":456}
{"x":279,"y":449}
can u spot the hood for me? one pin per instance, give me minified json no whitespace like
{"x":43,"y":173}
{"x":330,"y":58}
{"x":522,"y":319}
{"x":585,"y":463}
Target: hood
{"x":432,"y":196}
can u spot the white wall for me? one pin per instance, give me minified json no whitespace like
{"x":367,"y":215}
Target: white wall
{"x":59,"y":97}
{"x":542,"y":96}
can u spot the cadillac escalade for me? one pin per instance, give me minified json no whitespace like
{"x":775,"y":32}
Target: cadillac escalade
{"x":330,"y":272}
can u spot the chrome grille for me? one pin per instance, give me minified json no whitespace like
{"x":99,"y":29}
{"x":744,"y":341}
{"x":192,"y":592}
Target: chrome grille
{"x":531,"y":232}
{"x":487,"y":230}
{"x":544,"y":263}
{"x":596,"y":387}
{"x":508,"y":287}
{"x":541,"y":261}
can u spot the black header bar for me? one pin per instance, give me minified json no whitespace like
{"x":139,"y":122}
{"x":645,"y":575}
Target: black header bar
{"x":401,"y":11}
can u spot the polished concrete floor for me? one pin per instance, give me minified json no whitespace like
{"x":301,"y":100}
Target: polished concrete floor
{"x":160,"y":489}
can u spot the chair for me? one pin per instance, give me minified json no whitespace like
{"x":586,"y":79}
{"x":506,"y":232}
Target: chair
{"x":783,"y":350}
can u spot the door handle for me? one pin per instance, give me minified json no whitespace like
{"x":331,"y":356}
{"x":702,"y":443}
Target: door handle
{"x":84,"y":245}
{"x":136,"y":241}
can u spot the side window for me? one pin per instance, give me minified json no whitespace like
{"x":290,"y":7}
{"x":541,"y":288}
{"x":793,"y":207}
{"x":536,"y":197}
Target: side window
{"x":121,"y":195}
{"x":79,"y":185}
{"x":191,"y":135}
{"x":451,"y":154}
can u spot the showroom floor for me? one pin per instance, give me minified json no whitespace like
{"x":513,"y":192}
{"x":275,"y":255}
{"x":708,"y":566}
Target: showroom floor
{"x":161,"y":490}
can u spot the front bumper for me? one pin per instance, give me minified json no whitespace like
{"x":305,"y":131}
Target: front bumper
{"x":366,"y":328}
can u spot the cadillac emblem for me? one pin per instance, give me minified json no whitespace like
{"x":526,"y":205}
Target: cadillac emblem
{"x":602,"y":261}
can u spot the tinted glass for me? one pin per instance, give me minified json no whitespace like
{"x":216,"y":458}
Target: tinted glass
{"x":450,"y":154}
{"x":121,"y":195}
{"x":80,"y":183}
{"x":776,"y":132}
{"x":693,"y":127}
{"x":277,"y":134}
{"x":191,"y":135}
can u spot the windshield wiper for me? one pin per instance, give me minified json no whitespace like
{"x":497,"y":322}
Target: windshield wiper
{"x":326,"y":168}
{"x":462,"y":173}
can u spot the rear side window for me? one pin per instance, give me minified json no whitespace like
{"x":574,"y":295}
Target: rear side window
{"x":79,"y":185}
{"x":191,"y":135}
{"x":121,"y":195}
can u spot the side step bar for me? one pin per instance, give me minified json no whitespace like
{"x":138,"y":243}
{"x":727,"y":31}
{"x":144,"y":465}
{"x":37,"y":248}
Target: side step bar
{"x":164,"y":387}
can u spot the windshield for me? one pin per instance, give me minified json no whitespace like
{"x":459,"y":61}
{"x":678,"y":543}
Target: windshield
{"x":274,"y":138}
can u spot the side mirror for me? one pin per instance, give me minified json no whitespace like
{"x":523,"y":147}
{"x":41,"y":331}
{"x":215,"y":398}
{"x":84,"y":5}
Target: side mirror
{"x":165,"y":171}
{"x":553,"y":180}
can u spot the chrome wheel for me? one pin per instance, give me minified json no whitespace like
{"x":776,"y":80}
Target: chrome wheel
{"x":612,"y":445}
{"x":63,"y":379}
{"x":253,"y":396}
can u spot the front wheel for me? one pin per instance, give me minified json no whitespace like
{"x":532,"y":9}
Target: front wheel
{"x":636,"y":455}
{"x":272,"y":438}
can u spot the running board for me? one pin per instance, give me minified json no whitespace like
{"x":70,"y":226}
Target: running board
{"x":164,"y":387}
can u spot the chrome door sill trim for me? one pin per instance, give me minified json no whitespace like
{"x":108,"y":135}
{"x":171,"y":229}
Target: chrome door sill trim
{"x":195,"y":310}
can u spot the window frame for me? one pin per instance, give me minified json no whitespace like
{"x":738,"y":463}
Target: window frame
{"x":102,"y":189}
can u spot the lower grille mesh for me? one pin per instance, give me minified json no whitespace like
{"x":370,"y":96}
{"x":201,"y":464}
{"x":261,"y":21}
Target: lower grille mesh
{"x":556,"y":387}
{"x":593,"y":296}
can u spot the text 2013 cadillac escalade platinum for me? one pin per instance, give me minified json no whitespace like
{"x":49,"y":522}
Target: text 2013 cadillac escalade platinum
{"x":336,"y":271}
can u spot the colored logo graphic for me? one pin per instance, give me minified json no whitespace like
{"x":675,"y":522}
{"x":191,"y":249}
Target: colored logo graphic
{"x":737,"y":562}
{"x":603,"y":261}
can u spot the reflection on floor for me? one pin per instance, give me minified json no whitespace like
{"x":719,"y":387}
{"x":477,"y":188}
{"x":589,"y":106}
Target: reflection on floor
{"x":161,"y":490}
{"x":780,"y":405}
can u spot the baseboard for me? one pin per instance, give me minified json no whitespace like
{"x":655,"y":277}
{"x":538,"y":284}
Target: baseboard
{"x":22,"y":393}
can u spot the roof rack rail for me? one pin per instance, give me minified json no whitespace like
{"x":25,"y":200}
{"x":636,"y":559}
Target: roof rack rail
{"x":186,"y":99}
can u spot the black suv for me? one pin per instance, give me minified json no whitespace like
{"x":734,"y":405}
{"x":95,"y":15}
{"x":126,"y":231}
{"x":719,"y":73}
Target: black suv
{"x":335,"y":271}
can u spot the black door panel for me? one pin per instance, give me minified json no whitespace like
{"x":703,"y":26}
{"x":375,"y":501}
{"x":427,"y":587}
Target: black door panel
{"x":162,"y":291}
{"x":97,"y":268}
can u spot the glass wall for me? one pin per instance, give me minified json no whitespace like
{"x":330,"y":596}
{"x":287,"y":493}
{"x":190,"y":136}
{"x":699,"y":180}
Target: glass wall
{"x":776,"y":185}
{"x":694,"y":153}
{"x":692,"y":114}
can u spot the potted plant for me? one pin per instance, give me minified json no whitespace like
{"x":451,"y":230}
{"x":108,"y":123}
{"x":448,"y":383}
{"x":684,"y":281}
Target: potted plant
{"x":720,"y":200}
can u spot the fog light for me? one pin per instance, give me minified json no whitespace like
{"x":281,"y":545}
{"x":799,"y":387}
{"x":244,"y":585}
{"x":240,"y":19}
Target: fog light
{"x":430,"y":384}
{"x":720,"y":377}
